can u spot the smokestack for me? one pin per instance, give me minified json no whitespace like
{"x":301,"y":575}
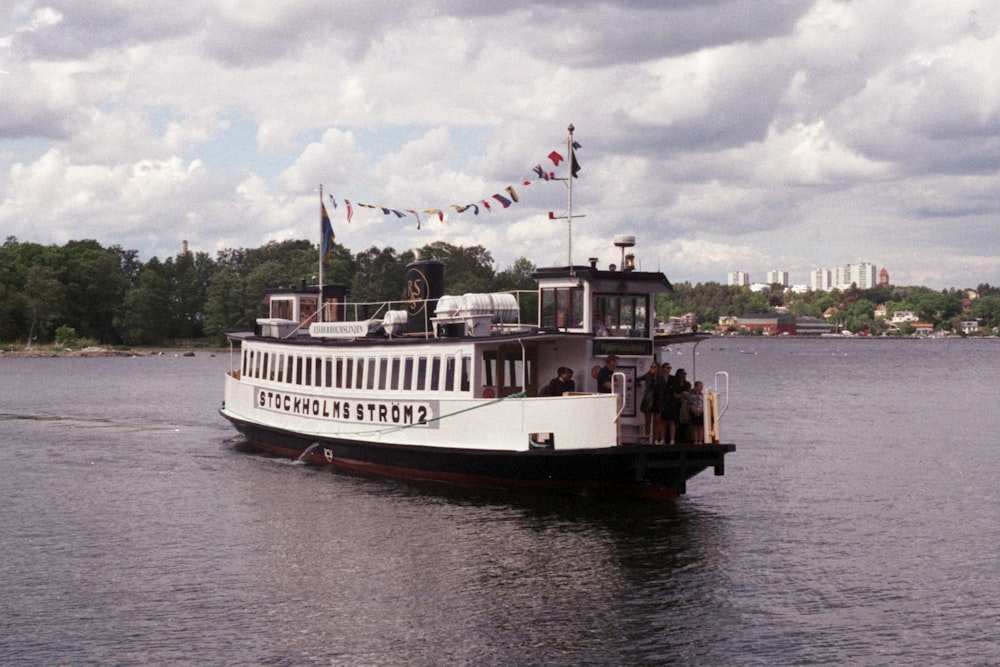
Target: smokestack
{"x":184,"y":247}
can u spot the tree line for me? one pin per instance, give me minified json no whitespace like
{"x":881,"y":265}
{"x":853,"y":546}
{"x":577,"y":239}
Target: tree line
{"x":852,"y":308}
{"x":84,"y":293}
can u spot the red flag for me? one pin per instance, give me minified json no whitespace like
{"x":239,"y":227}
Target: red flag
{"x":556,"y":158}
{"x":350,"y":211}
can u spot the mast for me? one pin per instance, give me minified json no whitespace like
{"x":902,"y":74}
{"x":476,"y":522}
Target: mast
{"x":569,"y":200}
{"x":570,"y":151}
{"x":319,"y":310}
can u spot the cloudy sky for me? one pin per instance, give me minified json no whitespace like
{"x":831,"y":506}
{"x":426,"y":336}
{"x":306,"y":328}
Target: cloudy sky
{"x":724,"y":134}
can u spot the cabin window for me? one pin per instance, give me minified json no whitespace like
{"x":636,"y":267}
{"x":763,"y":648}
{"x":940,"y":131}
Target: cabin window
{"x":349,"y":373}
{"x":394,"y":377}
{"x":466,"y":363}
{"x":307,"y":379}
{"x":282,"y":308}
{"x":621,"y":315}
{"x":435,"y":373}
{"x":383,"y":373}
{"x":370,"y":384}
{"x":562,"y":307}
{"x":408,"y":373}
{"x":449,"y":374}
{"x":359,"y":377}
{"x":318,"y":369}
{"x":339,"y":373}
{"x":298,"y":371}
{"x":281,"y":368}
{"x":328,"y":372}
{"x":289,"y":377}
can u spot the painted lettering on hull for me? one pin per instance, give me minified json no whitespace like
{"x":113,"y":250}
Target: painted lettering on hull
{"x":395,"y":413}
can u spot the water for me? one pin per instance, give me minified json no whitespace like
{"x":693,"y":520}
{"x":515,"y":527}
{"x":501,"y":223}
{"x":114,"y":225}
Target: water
{"x":857,"y":523}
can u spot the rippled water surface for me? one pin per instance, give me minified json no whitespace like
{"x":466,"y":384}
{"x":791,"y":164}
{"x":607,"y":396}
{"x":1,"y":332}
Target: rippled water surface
{"x":857,"y":523}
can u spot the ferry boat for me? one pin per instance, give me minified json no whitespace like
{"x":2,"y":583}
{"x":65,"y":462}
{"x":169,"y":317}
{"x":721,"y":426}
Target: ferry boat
{"x":448,"y":388}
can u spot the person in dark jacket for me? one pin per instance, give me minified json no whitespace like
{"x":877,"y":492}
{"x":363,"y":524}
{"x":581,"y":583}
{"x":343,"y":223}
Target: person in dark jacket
{"x":560,"y":384}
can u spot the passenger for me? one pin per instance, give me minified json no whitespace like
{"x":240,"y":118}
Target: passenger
{"x":672,"y":405}
{"x":681,"y":390}
{"x":560,"y":384}
{"x":606,"y":374}
{"x":662,"y":390}
{"x":696,"y":408}
{"x":649,"y":384}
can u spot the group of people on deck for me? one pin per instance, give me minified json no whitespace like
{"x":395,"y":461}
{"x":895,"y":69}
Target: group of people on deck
{"x":674,"y":408}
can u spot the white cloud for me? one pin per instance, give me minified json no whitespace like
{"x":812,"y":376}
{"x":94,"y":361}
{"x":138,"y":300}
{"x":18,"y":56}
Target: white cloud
{"x":725,"y":135}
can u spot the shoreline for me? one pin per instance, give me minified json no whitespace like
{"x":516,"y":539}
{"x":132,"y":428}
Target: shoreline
{"x":97,"y":351}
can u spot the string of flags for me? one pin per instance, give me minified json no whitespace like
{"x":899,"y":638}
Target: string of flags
{"x":505,"y":198}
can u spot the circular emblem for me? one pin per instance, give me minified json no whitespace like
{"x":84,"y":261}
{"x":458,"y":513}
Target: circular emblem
{"x":417,"y":291}
{"x":489,"y":393}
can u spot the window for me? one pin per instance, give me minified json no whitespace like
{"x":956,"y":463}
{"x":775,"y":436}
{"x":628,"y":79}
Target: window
{"x":349,"y":373}
{"x":621,"y":315}
{"x":383,"y":373}
{"x":359,"y":378}
{"x":435,"y":373}
{"x":328,"y":372}
{"x":466,"y":362}
{"x":562,"y":307}
{"x":408,"y":373}
{"x":371,"y":373}
{"x":394,"y":377}
{"x":449,"y":374}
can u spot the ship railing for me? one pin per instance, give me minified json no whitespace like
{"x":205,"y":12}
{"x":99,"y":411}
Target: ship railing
{"x":527,"y":310}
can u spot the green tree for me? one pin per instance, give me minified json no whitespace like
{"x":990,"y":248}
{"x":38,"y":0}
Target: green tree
{"x":467,"y":269}
{"x":145,"y":315}
{"x":225,"y":307}
{"x":42,"y":297}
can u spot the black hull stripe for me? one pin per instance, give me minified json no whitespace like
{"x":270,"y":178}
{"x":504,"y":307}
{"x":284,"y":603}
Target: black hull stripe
{"x":658,"y":472}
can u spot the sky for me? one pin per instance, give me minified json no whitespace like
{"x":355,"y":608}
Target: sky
{"x":724,"y":135}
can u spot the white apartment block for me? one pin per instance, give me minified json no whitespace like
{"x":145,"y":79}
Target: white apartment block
{"x":738,"y":278}
{"x":864,"y":275}
{"x":819,"y":280}
{"x":777,"y":276}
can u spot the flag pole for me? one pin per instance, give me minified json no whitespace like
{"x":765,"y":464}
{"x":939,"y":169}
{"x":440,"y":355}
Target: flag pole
{"x":569,"y":201}
{"x":319,"y":311}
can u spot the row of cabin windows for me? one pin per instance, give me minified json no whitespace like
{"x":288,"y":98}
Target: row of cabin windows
{"x":407,"y":373}
{"x":613,"y":314}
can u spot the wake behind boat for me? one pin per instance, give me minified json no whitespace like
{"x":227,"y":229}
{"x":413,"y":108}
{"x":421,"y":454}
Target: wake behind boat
{"x":448,"y":388}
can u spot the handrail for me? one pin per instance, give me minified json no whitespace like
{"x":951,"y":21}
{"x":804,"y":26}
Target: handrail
{"x":725,"y":374}
{"x":621,"y":403}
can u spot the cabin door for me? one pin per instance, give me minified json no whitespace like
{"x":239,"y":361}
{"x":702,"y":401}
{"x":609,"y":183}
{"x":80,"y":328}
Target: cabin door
{"x":515,"y":369}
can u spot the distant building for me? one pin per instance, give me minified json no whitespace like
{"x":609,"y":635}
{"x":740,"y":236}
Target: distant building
{"x":810,"y":326}
{"x":738,"y":278}
{"x":819,"y":280}
{"x":862,"y":275}
{"x":777,"y":277}
{"x":769,"y":324}
{"x":901,"y":316}
{"x":970,"y":326}
{"x":883,"y":278}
